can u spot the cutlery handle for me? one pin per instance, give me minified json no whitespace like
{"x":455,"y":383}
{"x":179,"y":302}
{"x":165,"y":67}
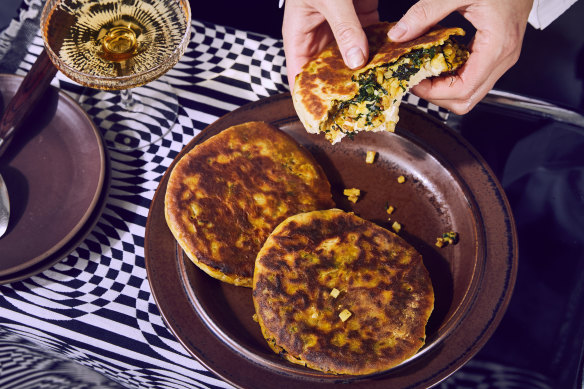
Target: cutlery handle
{"x":24,"y":101}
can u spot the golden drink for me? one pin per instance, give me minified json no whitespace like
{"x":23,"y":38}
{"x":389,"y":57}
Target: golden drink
{"x":115,"y":44}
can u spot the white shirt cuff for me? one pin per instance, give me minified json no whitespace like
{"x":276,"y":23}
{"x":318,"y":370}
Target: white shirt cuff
{"x":544,"y":12}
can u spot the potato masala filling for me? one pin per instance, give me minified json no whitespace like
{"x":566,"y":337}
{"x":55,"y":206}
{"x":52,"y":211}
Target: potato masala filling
{"x":375,"y":106}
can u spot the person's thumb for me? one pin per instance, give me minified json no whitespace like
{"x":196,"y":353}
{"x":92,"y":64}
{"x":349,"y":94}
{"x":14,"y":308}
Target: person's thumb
{"x":348,"y":32}
{"x":419,"y":18}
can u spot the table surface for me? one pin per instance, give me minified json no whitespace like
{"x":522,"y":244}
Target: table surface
{"x":90,"y":321}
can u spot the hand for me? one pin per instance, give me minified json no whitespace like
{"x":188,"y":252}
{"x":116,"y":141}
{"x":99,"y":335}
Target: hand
{"x":495,"y":48}
{"x":309,"y":25}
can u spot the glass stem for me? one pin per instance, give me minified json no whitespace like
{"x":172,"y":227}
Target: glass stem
{"x":127,"y":100}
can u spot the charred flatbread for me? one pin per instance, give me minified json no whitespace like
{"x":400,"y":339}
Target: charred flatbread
{"x":227,"y":194}
{"x":339,"y":294}
{"x":337,"y":101}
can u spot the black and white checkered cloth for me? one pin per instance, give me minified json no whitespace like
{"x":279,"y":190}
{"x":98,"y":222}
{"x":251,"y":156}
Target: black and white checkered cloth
{"x":91,"y":321}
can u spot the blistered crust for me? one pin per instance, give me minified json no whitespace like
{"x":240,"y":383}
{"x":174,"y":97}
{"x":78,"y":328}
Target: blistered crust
{"x":381,"y":281}
{"x":228,"y":193}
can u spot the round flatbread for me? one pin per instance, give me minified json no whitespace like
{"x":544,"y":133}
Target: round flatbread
{"x":226,"y":195}
{"x":339,"y":294}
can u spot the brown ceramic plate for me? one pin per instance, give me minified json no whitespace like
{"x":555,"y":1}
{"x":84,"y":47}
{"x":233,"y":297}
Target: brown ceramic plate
{"x":55,"y":171}
{"x":448,"y":187}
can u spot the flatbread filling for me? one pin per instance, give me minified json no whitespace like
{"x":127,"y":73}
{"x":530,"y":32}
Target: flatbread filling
{"x":381,"y":89}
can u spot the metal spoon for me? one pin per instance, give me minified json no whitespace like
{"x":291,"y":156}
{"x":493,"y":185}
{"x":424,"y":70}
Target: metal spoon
{"x":4,"y":207}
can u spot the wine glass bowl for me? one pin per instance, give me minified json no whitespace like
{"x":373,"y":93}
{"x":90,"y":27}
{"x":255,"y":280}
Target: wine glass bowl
{"x":120,"y":45}
{"x":115,"y":44}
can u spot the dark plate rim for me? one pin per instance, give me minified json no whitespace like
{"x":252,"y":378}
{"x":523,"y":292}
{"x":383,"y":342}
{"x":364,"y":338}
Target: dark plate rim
{"x":31,"y":266}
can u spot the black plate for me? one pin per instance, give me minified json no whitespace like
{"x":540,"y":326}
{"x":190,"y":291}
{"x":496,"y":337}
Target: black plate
{"x":56,"y":173}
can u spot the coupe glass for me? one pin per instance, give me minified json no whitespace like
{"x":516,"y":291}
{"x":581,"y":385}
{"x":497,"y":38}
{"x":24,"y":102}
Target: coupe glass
{"x":120,"y":46}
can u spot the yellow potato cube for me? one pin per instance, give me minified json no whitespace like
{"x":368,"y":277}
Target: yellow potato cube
{"x":345,"y":314}
{"x":335,"y":293}
{"x":352,"y":194}
{"x":396,"y":226}
{"x":370,"y":158}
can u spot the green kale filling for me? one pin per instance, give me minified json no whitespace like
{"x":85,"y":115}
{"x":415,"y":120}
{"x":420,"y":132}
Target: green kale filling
{"x":371,"y":91}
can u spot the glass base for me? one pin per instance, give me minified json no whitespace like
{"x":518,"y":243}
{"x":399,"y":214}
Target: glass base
{"x":135,"y":118}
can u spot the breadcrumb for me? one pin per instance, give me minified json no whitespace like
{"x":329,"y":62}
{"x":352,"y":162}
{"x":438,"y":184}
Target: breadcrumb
{"x":450,"y":237}
{"x":370,"y":158}
{"x":447,"y":238}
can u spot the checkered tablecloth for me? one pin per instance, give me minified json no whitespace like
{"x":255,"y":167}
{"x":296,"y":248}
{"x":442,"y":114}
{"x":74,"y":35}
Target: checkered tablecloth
{"x":90,"y":321}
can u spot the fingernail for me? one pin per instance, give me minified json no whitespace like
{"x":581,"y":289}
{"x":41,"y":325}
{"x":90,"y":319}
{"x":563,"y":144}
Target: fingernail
{"x":355,"y":57}
{"x":398,"y":31}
